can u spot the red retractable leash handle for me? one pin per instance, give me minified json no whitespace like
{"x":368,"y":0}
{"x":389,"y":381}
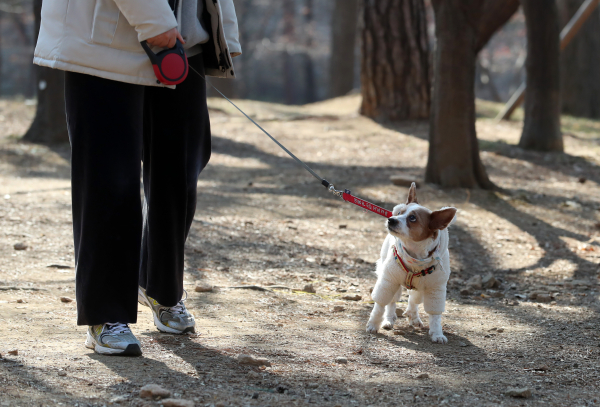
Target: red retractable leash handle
{"x":170,"y":65}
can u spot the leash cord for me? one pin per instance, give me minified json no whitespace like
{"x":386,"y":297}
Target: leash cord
{"x":346,"y":195}
{"x":324,"y":182}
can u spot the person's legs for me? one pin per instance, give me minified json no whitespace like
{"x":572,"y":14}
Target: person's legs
{"x":176,"y":148}
{"x":104,"y":119}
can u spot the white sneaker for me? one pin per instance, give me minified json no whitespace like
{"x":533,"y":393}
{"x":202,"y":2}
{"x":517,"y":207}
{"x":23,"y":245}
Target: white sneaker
{"x":113,"y":339}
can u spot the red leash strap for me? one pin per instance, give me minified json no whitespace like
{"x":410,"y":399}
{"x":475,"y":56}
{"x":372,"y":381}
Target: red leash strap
{"x":348,"y":197}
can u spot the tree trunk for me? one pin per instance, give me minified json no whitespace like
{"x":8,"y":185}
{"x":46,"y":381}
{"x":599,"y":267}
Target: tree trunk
{"x":310,"y":87}
{"x":541,"y":130}
{"x":343,"y":43}
{"x":463,"y":27}
{"x":49,"y":124}
{"x":289,"y":33}
{"x":580,"y":64}
{"x":395,"y":60}
{"x":453,"y":150}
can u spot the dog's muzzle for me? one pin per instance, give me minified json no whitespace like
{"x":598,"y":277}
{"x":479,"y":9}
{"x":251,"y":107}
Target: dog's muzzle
{"x":393,"y":225}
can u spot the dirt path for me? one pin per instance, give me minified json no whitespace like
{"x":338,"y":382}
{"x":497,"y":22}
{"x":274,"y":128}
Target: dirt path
{"x":261,"y":220}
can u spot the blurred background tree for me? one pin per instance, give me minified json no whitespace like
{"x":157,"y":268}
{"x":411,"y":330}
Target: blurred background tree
{"x":344,"y":22}
{"x":463,"y":27}
{"x":580,"y":64}
{"x":49,"y":125}
{"x":395,"y":78}
{"x":303,"y":51}
{"x":541,"y":130}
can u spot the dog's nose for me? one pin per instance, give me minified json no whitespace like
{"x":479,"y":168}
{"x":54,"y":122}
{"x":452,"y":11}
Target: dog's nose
{"x":392,"y":222}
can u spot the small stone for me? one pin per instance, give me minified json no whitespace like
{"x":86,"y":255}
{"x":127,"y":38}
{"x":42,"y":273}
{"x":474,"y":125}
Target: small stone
{"x":355,"y":297}
{"x":342,"y":360}
{"x":463,"y":344}
{"x":543,"y":298}
{"x":118,"y":399}
{"x":343,"y":226}
{"x":520,"y":393}
{"x":496,"y":294}
{"x":542,"y":368}
{"x":583,"y":283}
{"x":403,"y":180}
{"x":423,"y":376}
{"x":13,"y":352}
{"x":178,"y":403}
{"x":308,"y":288}
{"x":20,"y":301}
{"x":399,"y":332}
{"x":338,"y":308}
{"x":203,"y":288}
{"x":66,"y":299}
{"x":500,"y":330}
{"x":466,"y":291}
{"x":154,"y":391}
{"x":20,"y":246}
{"x":253,"y":375}
{"x":582,"y":180}
{"x":281,"y":388}
{"x":475,"y":282}
{"x":572,"y":204}
{"x":62,"y":374}
{"x":332,"y":278}
{"x":489,"y":281}
{"x":252,"y":361}
{"x":255,"y":395}
{"x":399,"y":312}
{"x":312,"y":385}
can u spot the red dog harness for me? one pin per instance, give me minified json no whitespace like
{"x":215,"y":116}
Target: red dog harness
{"x":410,"y":275}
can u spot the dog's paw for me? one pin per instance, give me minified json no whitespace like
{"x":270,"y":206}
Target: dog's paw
{"x":389,"y":321}
{"x":387,"y":325}
{"x":415,"y":321}
{"x":413,"y":318}
{"x":371,"y":328}
{"x":438,"y":338}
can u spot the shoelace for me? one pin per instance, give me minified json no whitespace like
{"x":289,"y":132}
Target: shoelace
{"x":180,"y":307}
{"x":116,"y":328}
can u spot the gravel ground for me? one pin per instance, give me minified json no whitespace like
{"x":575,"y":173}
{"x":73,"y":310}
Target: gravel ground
{"x":530,"y":324}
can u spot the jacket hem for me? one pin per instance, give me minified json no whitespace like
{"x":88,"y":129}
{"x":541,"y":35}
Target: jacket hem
{"x":66,"y":66}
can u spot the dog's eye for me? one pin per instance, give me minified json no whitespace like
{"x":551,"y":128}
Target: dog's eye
{"x":412,"y":218}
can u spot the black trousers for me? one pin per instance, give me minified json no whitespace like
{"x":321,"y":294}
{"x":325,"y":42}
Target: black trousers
{"x":120,"y":243}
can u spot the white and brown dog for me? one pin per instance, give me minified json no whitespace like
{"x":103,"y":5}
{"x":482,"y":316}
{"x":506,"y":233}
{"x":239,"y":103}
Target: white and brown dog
{"x":414,"y":255}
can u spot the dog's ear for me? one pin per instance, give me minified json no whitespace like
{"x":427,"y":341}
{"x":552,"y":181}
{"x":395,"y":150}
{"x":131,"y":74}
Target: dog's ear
{"x":412,"y":194}
{"x":439,"y":220}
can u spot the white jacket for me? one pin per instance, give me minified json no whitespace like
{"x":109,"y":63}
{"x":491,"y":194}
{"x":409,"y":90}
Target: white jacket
{"x":102,"y":37}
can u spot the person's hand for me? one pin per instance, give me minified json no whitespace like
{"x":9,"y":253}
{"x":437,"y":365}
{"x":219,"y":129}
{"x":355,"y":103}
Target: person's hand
{"x":166,"y":39}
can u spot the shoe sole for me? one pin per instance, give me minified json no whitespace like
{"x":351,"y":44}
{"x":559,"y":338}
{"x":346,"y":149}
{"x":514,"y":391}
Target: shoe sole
{"x":131,"y":350}
{"x":159,"y":325}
